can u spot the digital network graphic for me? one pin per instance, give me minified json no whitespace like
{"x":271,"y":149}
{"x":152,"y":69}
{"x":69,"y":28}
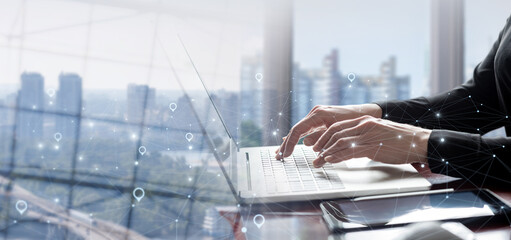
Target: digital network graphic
{"x":134,"y":161}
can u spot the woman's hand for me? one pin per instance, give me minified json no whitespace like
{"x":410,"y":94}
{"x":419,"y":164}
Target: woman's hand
{"x":319,"y":119}
{"x":378,"y":139}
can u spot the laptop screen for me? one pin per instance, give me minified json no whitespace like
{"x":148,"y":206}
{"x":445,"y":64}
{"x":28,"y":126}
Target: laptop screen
{"x":201,"y":103}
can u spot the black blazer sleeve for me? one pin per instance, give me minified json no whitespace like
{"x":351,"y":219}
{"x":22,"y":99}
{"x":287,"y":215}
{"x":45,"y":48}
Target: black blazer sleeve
{"x":459,"y":117}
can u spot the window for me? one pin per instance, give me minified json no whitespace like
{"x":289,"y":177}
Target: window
{"x":96,"y":131}
{"x":359,"y":52}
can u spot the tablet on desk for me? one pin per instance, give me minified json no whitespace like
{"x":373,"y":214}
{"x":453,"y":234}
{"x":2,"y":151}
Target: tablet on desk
{"x":470,"y":207}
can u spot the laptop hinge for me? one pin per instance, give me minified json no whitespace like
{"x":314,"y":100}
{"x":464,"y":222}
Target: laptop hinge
{"x":249,"y":178}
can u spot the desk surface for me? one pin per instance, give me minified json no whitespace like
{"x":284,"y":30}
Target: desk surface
{"x":303,"y":220}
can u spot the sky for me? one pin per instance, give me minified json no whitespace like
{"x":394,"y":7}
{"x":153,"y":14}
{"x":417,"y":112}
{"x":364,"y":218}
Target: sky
{"x":119,"y":46}
{"x":367,"y":32}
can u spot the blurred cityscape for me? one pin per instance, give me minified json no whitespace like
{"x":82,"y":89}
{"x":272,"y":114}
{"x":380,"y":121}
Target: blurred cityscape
{"x":241,"y":111}
{"x":327,"y":85}
{"x":70,"y":136}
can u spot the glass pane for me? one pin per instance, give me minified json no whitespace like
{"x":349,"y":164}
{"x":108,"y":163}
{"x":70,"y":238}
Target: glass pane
{"x":98,"y":138}
{"x":343,"y":57}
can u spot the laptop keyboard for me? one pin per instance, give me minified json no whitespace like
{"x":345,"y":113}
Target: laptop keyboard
{"x":297,"y":173}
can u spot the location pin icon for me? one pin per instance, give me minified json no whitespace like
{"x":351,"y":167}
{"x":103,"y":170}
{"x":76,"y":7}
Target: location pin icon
{"x":140,"y":196}
{"x":57,"y":136}
{"x":189,"y":136}
{"x":50,"y":92}
{"x":259,"y":77}
{"x":142,"y":150}
{"x":351,"y":77}
{"x":173,"y":107}
{"x":21,"y":206}
{"x":259,"y":220}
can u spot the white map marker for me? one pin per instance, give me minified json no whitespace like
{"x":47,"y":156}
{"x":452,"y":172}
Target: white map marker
{"x":21,"y":206}
{"x":140,"y":196}
{"x":259,"y":223}
{"x":351,"y":76}
{"x":50,"y":92}
{"x":57,"y":136}
{"x":189,"y":137}
{"x":142,"y":150}
{"x":259,"y":77}
{"x":173,"y":107}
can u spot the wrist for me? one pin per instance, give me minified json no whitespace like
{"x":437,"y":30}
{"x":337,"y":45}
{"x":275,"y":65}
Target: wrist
{"x":372,"y":109}
{"x":423,"y":140}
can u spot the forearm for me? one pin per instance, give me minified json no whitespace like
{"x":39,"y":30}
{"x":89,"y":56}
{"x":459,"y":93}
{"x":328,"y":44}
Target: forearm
{"x":470,"y":156}
{"x":457,"y":110}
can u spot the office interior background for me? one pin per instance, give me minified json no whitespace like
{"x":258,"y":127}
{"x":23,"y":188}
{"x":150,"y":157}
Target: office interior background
{"x":84,"y":84}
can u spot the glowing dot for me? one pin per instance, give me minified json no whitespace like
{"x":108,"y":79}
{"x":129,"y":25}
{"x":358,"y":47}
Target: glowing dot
{"x":381,"y":144}
{"x":189,"y":179}
{"x":177,"y":220}
{"x":190,"y":147}
{"x":399,"y":136}
{"x":136,"y":163}
{"x":57,"y":147}
{"x":189,"y":196}
{"x":443,"y":160}
{"x":446,"y":162}
{"x":56,"y":200}
{"x":442,"y":139}
{"x":446,"y":196}
{"x":413,"y":144}
{"x":422,"y":165}
{"x":493,"y":155}
{"x":438,"y":114}
{"x":353,"y":144}
{"x":280,"y":114}
{"x":243,"y":229}
{"x":477,"y":111}
{"x":274,"y":133}
{"x":40,"y":145}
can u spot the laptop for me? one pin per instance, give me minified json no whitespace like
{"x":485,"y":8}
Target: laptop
{"x":255,"y":176}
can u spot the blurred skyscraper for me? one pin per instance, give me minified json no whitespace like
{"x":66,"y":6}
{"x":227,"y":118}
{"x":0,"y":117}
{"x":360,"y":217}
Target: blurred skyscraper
{"x":326,"y":86}
{"x":251,"y":96}
{"x":140,"y":98}
{"x":227,"y":103}
{"x":69,"y":104}
{"x":447,"y":44}
{"x":326,"y":81}
{"x":301,"y":96}
{"x":30,"y":97}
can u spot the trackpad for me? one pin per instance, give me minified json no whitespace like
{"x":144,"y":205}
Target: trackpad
{"x":363,"y":170}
